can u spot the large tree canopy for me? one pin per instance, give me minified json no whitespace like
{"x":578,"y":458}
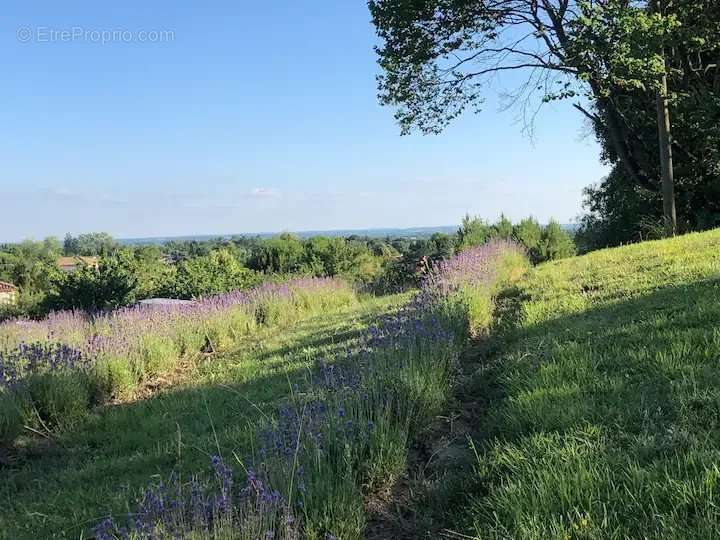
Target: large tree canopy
{"x":619,"y":211}
{"x":437,"y":56}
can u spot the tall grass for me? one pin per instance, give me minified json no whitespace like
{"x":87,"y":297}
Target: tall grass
{"x":607,"y":423}
{"x":348,"y":434}
{"x":52,"y":371}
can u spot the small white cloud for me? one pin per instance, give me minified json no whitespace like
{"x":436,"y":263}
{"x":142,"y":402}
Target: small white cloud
{"x":262,"y":192}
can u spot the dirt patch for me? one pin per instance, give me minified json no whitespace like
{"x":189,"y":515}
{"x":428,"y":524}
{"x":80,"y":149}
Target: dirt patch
{"x":404,"y":512}
{"x":442,"y":461}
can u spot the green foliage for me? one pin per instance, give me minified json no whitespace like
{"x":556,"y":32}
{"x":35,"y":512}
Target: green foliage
{"x":154,"y":275}
{"x":503,"y":228}
{"x":111,"y":285}
{"x":284,"y":254}
{"x":619,"y":210}
{"x":555,"y":243}
{"x":472,"y":232}
{"x":406,"y":268}
{"x":528,"y":233}
{"x":542,"y":243}
{"x":217,"y":272}
{"x":30,"y":266}
{"x":625,"y":40}
{"x":91,"y":244}
{"x":180,"y":269}
{"x":327,"y":256}
{"x":436,"y":56}
{"x":58,"y":400}
{"x":11,"y":418}
{"x":115,"y":377}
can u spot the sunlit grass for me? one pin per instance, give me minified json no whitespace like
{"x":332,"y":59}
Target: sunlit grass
{"x":64,"y":487}
{"x":608,"y":416}
{"x":111,"y":355}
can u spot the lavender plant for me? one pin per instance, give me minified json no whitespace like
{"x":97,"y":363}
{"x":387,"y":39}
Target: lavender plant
{"x":110,"y":354}
{"x":349,"y":431}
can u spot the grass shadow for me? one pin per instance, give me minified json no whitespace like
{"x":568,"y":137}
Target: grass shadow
{"x":59,"y":490}
{"x":634,"y":379}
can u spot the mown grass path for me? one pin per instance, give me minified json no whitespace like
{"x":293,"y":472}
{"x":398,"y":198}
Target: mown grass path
{"x":59,"y":488}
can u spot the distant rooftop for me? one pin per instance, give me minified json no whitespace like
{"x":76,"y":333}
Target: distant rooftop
{"x":7,"y":287}
{"x":165,"y":302}
{"x":75,"y":261}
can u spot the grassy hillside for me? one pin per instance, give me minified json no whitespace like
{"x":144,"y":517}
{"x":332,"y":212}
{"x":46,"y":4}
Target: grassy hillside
{"x":62,"y":487}
{"x":301,"y":422}
{"x":606,"y":416}
{"x":594,"y":413}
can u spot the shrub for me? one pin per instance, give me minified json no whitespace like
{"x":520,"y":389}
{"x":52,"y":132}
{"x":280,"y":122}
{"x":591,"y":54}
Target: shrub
{"x":111,"y":285}
{"x":215,"y":273}
{"x":528,"y":233}
{"x":114,"y":377}
{"x":555,"y":243}
{"x":60,"y":400}
{"x":11,"y":418}
{"x":159,"y":355}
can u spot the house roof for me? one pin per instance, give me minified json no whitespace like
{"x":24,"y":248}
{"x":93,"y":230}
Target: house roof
{"x":77,"y":260}
{"x":165,"y":302}
{"x":7,"y":287}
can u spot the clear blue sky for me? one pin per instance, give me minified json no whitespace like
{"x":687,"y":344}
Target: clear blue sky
{"x":245,"y":117}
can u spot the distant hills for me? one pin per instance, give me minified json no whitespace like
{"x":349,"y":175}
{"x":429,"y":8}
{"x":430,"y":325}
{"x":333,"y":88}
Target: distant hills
{"x":414,"y":232}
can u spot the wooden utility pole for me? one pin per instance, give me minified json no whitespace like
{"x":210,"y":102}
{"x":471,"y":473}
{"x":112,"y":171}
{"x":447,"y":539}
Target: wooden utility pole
{"x":665,"y":137}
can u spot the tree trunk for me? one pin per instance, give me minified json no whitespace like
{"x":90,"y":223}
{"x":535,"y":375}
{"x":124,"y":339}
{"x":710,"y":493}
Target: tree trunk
{"x":666,"y":158}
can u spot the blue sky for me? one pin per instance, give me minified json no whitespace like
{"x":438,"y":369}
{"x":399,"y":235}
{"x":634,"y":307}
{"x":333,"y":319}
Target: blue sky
{"x":246,"y":117}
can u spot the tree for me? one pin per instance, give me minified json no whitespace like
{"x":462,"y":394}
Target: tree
{"x":503,"y":228}
{"x":692,"y":53}
{"x":442,"y":246}
{"x":154,"y":275}
{"x":555,"y":243}
{"x":32,"y":267}
{"x":472,"y":232}
{"x":111,"y":285}
{"x":327,"y":256}
{"x":437,"y":54}
{"x":217,"y":272}
{"x":528,"y":233}
{"x":91,"y":244}
{"x":283,"y":254}
{"x":617,"y":212}
{"x":665,"y":142}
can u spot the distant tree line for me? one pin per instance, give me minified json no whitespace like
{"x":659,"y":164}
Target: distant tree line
{"x":189,"y":269}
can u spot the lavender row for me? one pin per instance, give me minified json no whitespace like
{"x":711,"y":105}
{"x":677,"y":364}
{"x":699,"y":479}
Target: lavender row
{"x":108,"y":354}
{"x":349,"y":430}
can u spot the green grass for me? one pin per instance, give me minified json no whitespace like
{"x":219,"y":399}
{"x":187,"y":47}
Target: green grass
{"x":137,"y":345}
{"x":601,"y":415}
{"x":595,"y":413}
{"x":60,"y":488}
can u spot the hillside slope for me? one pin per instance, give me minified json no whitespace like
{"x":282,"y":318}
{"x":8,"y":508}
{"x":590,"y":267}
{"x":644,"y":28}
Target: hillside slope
{"x":608,"y":415}
{"x":63,"y":487}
